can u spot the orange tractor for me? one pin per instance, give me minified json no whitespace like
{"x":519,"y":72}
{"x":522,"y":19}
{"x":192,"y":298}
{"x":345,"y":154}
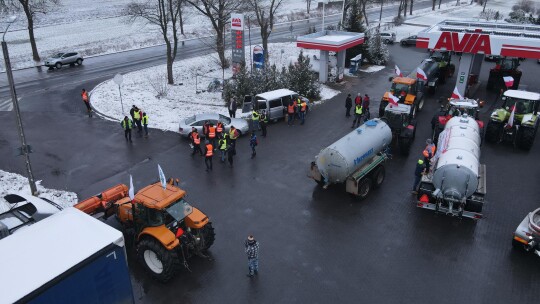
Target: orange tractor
{"x":165,"y":229}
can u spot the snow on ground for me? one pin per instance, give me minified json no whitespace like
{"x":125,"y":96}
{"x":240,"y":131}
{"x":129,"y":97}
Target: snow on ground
{"x":15,"y":183}
{"x":183,"y":100}
{"x":372,"y":68}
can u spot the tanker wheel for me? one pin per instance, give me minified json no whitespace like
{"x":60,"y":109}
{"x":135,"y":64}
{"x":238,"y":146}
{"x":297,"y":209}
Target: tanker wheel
{"x":494,"y":132}
{"x":207,"y":235}
{"x":404,"y":146}
{"x":157,"y":260}
{"x":525,"y":138}
{"x":474,"y":207}
{"x":421,"y":104}
{"x":436,"y":133}
{"x":364,"y":187}
{"x":378,"y":176}
{"x":517,"y":245}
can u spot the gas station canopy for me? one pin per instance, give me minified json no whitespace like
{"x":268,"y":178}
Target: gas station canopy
{"x":334,"y":41}
{"x":504,"y":39}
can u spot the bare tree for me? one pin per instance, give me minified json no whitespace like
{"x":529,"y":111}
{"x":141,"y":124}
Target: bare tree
{"x":218,"y":12}
{"x":264,"y":12}
{"x":308,"y":5}
{"x":410,"y":11}
{"x":30,"y":8}
{"x":363,"y":4}
{"x":164,"y":14}
{"x":433,"y":6}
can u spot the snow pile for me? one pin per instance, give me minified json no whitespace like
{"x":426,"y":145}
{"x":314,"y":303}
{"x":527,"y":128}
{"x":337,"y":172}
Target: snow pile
{"x":189,"y":95}
{"x":372,"y":68}
{"x":15,"y":183}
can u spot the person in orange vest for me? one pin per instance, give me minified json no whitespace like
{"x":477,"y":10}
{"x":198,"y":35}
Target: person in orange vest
{"x":212,"y":134}
{"x":86,"y":100}
{"x":208,"y":156}
{"x":219,"y":129}
{"x":429,"y":152}
{"x":302,"y":111}
{"x":195,"y":141}
{"x":290,"y":113}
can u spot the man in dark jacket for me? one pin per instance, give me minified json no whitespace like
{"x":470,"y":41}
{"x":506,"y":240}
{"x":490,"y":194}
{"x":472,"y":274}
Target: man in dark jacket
{"x":252,"y":252}
{"x":365,"y":107}
{"x":418,"y":172}
{"x":348,"y":105}
{"x":232,"y":108}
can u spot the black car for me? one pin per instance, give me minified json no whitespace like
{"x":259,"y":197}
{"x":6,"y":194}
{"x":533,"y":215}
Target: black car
{"x":411,"y":40}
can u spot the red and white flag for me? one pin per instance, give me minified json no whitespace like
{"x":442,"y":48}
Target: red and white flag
{"x":508,"y":81}
{"x":393,"y":99}
{"x":456,"y":94}
{"x":420,"y":74}
{"x":398,"y":71}
{"x":511,"y":119}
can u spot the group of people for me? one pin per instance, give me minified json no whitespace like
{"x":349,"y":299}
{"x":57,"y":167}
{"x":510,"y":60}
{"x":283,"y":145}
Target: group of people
{"x":259,"y":121}
{"x":361,"y":109}
{"x":423,"y":165}
{"x":296,"y":109}
{"x":226,"y":143}
{"x":139,"y":119}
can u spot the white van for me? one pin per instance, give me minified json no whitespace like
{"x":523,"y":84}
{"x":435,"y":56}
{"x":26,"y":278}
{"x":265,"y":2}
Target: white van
{"x":273,"y":102}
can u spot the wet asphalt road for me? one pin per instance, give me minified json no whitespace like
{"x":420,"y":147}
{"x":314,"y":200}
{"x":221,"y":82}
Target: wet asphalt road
{"x":317,"y":246}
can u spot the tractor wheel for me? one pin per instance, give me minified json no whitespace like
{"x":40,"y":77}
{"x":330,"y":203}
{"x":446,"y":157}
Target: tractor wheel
{"x":364,"y":187}
{"x":404,"y":145}
{"x":517,"y":245}
{"x":378,"y":176}
{"x":207,"y":235}
{"x":493,"y":132}
{"x":525,"y":138}
{"x":381,"y":109}
{"x":157,"y":260}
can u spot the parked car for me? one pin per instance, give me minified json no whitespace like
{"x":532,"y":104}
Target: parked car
{"x":411,"y":40}
{"x":388,"y":38}
{"x":60,"y":59}
{"x":198,"y":120}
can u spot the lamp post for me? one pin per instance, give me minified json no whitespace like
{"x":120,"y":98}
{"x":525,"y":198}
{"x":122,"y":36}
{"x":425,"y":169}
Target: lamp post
{"x":25,"y":149}
{"x":118,"y":79}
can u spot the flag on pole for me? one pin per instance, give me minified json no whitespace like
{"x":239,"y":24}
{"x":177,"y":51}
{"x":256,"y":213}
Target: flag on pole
{"x":162,"y":177}
{"x":393,"y":99}
{"x":420,"y":74}
{"x":398,"y":71}
{"x":508,"y":81}
{"x":511,"y":119}
{"x":456,"y":94}
{"x":131,"y":188}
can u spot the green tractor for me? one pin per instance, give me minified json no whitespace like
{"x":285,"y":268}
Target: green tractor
{"x":522,"y":130}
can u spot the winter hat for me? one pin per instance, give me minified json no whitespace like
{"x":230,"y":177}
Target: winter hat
{"x":428,"y":141}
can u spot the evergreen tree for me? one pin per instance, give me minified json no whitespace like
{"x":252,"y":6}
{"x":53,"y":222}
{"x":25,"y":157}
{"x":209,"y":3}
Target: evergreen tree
{"x":378,"y":51}
{"x":301,"y":79}
{"x":354,"y":22}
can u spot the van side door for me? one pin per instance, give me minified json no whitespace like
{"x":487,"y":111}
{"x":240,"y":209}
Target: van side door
{"x":247,"y":106}
{"x":275,"y":109}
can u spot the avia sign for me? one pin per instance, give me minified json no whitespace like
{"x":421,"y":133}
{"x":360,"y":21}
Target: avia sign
{"x":469,"y":43}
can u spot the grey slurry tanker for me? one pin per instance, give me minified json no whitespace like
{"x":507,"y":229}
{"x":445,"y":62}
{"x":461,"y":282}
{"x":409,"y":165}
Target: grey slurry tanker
{"x":356,"y":159}
{"x":457,"y":185}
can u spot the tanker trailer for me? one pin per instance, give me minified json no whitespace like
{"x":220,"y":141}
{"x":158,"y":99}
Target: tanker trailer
{"x":356,"y":159}
{"x":527,"y":234}
{"x":457,"y":185}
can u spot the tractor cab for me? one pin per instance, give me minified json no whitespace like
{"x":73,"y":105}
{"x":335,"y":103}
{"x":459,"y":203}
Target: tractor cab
{"x":522,"y":106}
{"x":504,"y":67}
{"x":504,"y":63}
{"x":397,"y":117}
{"x":404,"y":88}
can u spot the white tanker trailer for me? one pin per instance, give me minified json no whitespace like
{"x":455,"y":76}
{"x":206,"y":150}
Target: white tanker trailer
{"x":356,"y":159}
{"x":457,"y":185}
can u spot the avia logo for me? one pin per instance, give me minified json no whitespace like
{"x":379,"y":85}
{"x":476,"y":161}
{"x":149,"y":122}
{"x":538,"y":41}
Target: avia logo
{"x":469,"y":43}
{"x":236,"y":22}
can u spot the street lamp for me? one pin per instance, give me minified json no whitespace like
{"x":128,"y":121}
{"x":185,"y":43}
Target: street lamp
{"x":118,"y":79}
{"x":25,"y":149}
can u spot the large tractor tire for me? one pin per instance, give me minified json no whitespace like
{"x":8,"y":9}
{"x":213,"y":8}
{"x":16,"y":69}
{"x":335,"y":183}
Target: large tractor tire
{"x":525,"y":138}
{"x":161,"y":263}
{"x":208,"y":236}
{"x":378,"y":176}
{"x":364,"y":188}
{"x":494,"y":132}
{"x":404,"y":145}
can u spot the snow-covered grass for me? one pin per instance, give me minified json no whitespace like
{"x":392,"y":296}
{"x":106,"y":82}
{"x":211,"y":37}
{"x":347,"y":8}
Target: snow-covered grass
{"x":15,"y":183}
{"x":186,"y":99}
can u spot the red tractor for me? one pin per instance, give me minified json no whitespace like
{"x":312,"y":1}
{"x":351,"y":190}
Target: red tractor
{"x":456,"y":107}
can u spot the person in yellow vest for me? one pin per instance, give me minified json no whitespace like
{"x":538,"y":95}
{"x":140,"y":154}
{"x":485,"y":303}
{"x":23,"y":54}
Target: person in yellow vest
{"x":195,"y":141}
{"x":298,"y":104}
{"x":137,"y":116}
{"x":302,"y":112}
{"x":208,"y":155}
{"x":212,"y":134}
{"x":127,"y":125}
{"x":233,"y":135}
{"x":357,"y":116}
{"x":145,"y":123}
{"x":222,"y":144}
{"x":255,"y":120}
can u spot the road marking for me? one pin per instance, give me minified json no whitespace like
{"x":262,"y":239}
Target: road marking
{"x":6,"y":105}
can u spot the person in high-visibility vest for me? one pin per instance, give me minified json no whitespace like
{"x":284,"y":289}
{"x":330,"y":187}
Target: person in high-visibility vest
{"x":255,"y":119}
{"x":418,"y":172}
{"x":298,"y":104}
{"x":429,"y":152}
{"x":233,"y":135}
{"x":222,"y":144}
{"x":86,"y":101}
{"x":212,"y":134}
{"x":208,"y":156}
{"x":145,"y":123}
{"x":195,"y":141}
{"x":357,"y":116}
{"x":219,"y":129}
{"x":290,"y":113}
{"x":137,"y":116}
{"x":302,"y":112}
{"x":127,"y":125}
